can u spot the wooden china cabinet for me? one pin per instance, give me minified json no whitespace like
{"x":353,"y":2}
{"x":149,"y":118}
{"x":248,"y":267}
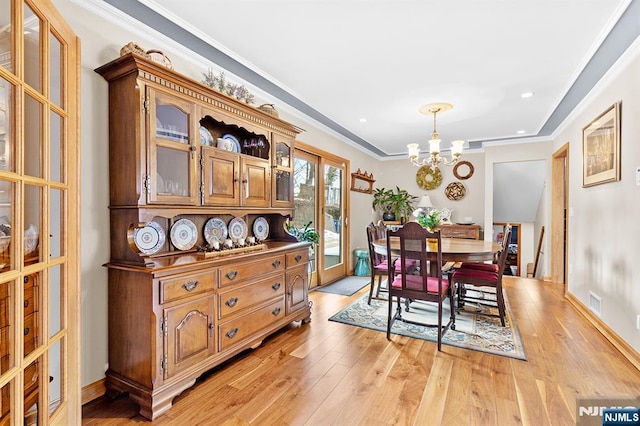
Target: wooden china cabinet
{"x":175,"y":311}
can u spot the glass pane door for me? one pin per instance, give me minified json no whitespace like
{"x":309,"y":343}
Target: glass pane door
{"x":305,"y":173}
{"x":333,"y":260}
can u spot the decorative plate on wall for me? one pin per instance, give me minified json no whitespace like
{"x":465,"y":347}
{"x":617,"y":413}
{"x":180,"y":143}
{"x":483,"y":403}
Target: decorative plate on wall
{"x":215,"y":230}
{"x":238,"y":228}
{"x":261,"y":228}
{"x":428,"y":178}
{"x":463,"y":164}
{"x":455,"y":191}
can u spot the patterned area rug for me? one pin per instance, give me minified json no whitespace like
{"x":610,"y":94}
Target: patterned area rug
{"x":476,"y":332}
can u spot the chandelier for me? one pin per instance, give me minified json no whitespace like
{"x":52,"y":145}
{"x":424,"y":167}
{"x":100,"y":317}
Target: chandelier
{"x":434,"y":157}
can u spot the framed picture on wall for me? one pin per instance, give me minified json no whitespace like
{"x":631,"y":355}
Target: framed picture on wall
{"x":601,"y":148}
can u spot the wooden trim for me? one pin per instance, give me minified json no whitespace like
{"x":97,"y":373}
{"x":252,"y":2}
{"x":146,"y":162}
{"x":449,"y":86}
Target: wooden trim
{"x":618,"y":342}
{"x":559,"y":205}
{"x":93,"y":391}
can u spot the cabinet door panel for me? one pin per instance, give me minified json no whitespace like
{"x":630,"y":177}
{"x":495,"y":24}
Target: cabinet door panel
{"x":297,"y":289}
{"x":220,"y":178}
{"x":190,"y":334}
{"x":256,"y":183}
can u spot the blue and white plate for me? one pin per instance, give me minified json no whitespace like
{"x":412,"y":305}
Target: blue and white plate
{"x":238,"y":228}
{"x":236,"y":144}
{"x":205,"y":137}
{"x":150,"y":238}
{"x":184,"y":234}
{"x":261,"y":228}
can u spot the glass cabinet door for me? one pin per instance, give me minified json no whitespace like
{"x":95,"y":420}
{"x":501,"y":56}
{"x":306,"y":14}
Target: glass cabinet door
{"x":172,"y":151}
{"x":282,"y":195}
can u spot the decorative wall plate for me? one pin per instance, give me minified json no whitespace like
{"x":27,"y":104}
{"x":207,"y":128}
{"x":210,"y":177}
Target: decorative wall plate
{"x":238,"y":228}
{"x":149,"y":239}
{"x":184,"y":234}
{"x":261,"y":228}
{"x":215,"y":229}
{"x":455,"y":191}
{"x":236,"y":144}
{"x":457,"y":174}
{"x":428,"y":178}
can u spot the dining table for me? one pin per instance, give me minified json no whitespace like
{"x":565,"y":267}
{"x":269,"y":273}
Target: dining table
{"x":453,"y":249}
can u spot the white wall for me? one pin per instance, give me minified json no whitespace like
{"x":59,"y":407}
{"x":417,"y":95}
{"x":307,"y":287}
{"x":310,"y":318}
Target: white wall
{"x":604,"y":230}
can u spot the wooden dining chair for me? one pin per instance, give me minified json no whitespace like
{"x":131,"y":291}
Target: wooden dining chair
{"x":477,"y":282}
{"x":417,"y":283}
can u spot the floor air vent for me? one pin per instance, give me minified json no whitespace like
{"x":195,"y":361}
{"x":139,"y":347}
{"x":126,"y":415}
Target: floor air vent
{"x":595,"y":303}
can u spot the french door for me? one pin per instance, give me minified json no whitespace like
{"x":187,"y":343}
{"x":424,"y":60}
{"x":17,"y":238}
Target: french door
{"x":320,"y":199}
{"x":39,"y":219}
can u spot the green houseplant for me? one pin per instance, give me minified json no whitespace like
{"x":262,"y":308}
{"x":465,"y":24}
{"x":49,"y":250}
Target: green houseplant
{"x":396,"y":204}
{"x":429,"y":221}
{"x":303,"y":234}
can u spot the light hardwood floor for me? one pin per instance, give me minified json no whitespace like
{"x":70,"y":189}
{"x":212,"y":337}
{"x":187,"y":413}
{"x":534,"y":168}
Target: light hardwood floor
{"x":327,"y":373}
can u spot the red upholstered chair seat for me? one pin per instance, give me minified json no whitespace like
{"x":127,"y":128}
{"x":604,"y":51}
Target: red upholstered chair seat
{"x":489,"y":267}
{"x":414,"y":282}
{"x":475,"y":274}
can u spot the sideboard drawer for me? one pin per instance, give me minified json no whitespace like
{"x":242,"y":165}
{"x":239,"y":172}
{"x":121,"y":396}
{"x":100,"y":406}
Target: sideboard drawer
{"x":460,"y":231}
{"x":231,"y":274}
{"x":237,"y":299}
{"x":297,"y":258}
{"x":234,"y":332}
{"x":176,"y":288}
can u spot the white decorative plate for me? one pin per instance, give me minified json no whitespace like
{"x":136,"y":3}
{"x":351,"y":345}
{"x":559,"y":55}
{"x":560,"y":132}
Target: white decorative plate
{"x":184,"y":234}
{"x":238,"y":228}
{"x":205,"y":137}
{"x":150,"y":238}
{"x":215,"y":229}
{"x":261,"y":228}
{"x":236,"y":144}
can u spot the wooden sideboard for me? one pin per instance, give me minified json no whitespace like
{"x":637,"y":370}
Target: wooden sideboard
{"x":460,"y":231}
{"x":175,"y":311}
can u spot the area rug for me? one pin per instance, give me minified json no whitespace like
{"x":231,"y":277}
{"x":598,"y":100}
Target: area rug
{"x":477,"y":332}
{"x":347,"y":286}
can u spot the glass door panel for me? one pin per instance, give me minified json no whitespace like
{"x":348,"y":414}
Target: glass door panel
{"x":172,"y":156}
{"x":333,"y":259}
{"x":32,"y":49}
{"x":32,"y":137}
{"x":5,"y":35}
{"x":6,"y":134}
{"x":55,"y":70}
{"x":305,"y":173}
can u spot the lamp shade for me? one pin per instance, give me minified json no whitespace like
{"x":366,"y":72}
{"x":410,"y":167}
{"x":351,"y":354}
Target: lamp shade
{"x":425,"y":201}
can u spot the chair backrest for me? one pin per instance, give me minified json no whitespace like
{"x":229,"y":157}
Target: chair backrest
{"x":504,"y":253}
{"x":413,"y":246}
{"x":375,"y":232}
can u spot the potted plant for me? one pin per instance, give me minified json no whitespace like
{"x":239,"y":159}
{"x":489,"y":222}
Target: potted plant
{"x":303,"y":234}
{"x":429,"y":221}
{"x":396,"y":204}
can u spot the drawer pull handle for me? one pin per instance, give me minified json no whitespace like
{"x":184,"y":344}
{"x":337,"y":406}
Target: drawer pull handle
{"x":298,"y":257}
{"x":26,"y":280}
{"x":211,"y":327}
{"x":276,"y":286}
{"x":231,"y":275}
{"x":232,"y":333}
{"x":26,"y":330}
{"x":276,"y":263}
{"x":26,"y":303}
{"x":231,"y":302}
{"x":190,"y":285}
{"x":275,"y":312}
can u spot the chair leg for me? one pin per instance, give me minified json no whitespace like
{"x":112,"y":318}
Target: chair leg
{"x":440,"y":325}
{"x":501,"y":307}
{"x":452,"y":294}
{"x":373,"y":277}
{"x":389,"y":318}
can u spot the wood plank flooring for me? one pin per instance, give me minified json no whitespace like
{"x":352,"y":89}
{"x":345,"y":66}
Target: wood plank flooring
{"x":327,"y":373}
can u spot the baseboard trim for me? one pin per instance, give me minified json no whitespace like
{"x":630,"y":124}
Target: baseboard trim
{"x":618,"y":342}
{"x":93,"y":391}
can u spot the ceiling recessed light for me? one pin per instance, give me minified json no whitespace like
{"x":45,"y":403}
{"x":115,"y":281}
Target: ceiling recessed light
{"x":363,"y":120}
{"x":527,"y":94}
{"x":521,"y":132}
